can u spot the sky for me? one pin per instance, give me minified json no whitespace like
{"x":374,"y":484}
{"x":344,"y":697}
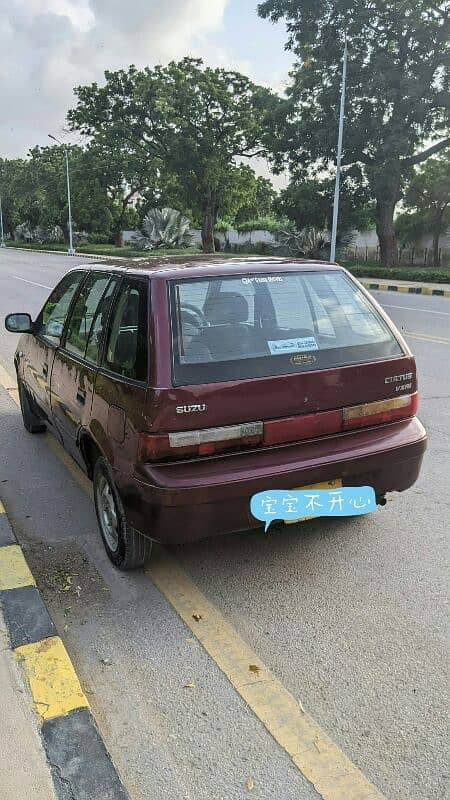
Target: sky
{"x":50,"y":46}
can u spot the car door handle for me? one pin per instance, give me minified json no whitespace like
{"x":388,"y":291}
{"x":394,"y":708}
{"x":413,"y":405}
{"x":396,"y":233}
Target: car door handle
{"x":81,"y":396}
{"x":45,"y":370}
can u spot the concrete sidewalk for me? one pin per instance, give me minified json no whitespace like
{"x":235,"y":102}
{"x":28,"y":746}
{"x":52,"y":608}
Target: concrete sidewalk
{"x":24,"y":771}
{"x":406,"y":287}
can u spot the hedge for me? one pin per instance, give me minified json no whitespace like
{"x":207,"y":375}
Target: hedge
{"x":426,"y":274}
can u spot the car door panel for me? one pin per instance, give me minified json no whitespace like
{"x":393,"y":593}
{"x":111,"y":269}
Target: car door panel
{"x":75,"y":364}
{"x":36,"y":364}
{"x":72,"y":388}
{"x":120,"y":389}
{"x":37,"y":351}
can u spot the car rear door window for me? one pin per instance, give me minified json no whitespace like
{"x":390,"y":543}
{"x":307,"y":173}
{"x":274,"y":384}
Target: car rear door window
{"x":265,"y":324}
{"x":99,"y":326}
{"x":83,"y":313}
{"x":127,"y":347}
{"x":50,"y":322}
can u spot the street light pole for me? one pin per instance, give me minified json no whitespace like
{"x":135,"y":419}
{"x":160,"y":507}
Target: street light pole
{"x":70,"y":250}
{"x":2,"y":238}
{"x":339,"y":156}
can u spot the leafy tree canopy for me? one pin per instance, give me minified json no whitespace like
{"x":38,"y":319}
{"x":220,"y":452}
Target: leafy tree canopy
{"x":398,"y":91}
{"x":309,"y":203}
{"x":11,"y":171}
{"x":35,"y":190}
{"x":427,"y":199}
{"x":241,"y":196}
{"x":194,"y":120}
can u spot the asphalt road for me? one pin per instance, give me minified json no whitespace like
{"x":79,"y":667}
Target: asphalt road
{"x":350,"y":615}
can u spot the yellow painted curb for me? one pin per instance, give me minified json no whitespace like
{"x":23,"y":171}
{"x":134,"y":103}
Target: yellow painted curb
{"x":321,"y":761}
{"x":14,"y":570}
{"x":423,"y":290}
{"x":54,"y":685}
{"x":10,"y":384}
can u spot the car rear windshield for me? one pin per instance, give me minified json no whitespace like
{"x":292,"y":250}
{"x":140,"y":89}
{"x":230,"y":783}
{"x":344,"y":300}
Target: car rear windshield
{"x":257,"y":325}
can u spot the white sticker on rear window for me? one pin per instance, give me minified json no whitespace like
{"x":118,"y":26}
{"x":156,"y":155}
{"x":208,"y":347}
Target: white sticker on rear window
{"x":293,"y":345}
{"x":263,"y":279}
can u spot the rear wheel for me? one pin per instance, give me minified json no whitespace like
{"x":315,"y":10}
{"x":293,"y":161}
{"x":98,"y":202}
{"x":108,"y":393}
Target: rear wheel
{"x":32,"y":422}
{"x":126,"y":547}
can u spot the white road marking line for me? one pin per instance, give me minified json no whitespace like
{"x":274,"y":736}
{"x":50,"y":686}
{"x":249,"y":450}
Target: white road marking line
{"x":421,"y":310}
{"x":42,"y":285}
{"x":426,"y":338}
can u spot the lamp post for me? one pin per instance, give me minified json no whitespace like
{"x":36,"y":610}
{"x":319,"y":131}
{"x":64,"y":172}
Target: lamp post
{"x":2,"y":238}
{"x":339,"y":156}
{"x":70,"y":250}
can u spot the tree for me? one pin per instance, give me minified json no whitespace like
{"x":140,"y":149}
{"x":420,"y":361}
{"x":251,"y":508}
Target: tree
{"x":398,"y":91}
{"x":309,"y":203}
{"x":105,"y":186}
{"x":194,"y":121}
{"x":125,"y":177}
{"x":11,"y":171}
{"x":241,"y":196}
{"x":255,"y":197}
{"x":40,"y":190}
{"x":427,"y":195}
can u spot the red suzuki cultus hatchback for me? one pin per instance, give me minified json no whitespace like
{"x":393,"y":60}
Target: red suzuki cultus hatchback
{"x":185,"y":388}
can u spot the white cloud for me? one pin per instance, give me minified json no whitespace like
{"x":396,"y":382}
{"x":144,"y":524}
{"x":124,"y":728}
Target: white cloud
{"x":49,"y":46}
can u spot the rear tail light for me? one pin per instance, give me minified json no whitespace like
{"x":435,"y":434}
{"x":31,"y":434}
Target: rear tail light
{"x":213,"y":441}
{"x":209,"y":441}
{"x":380,"y":412}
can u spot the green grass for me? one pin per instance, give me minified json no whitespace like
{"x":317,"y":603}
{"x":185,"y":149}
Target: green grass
{"x":123,"y":252}
{"x":107,"y":250}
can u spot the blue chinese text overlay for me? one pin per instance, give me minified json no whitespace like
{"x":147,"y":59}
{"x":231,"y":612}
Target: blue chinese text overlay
{"x":349,"y":501}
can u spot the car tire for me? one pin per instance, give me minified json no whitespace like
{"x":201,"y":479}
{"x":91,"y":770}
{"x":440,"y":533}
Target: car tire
{"x":32,"y":422}
{"x":126,"y":547}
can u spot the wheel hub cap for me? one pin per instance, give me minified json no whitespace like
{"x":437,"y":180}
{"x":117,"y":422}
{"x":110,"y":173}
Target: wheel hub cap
{"x":108,"y":513}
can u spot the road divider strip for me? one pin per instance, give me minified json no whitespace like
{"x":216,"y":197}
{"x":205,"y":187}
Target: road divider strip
{"x":402,"y":289}
{"x":315,"y":755}
{"x":80,"y":764}
{"x":424,"y":337}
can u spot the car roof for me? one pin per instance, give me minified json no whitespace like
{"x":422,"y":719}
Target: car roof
{"x":172,"y":267}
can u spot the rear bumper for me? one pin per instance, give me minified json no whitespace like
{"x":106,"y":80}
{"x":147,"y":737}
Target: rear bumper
{"x":182,"y":502}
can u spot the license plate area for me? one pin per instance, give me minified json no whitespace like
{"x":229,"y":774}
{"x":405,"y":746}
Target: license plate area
{"x":336,"y":483}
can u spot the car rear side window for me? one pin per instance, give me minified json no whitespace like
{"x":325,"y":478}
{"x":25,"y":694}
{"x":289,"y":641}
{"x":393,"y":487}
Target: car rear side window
{"x":83,"y":313}
{"x":127,"y":347}
{"x":98,"y":331}
{"x":258,"y":325}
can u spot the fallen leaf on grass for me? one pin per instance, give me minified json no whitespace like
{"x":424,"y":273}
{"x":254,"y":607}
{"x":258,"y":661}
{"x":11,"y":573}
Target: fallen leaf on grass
{"x":250,"y":784}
